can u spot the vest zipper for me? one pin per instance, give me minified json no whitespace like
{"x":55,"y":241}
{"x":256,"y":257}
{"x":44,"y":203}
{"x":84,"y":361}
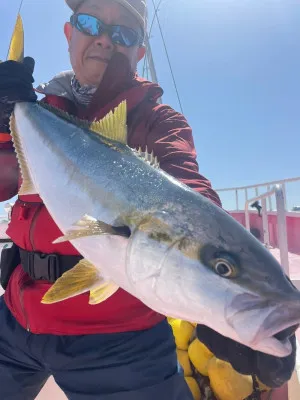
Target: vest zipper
{"x":27,"y":282}
{"x":32,"y":225}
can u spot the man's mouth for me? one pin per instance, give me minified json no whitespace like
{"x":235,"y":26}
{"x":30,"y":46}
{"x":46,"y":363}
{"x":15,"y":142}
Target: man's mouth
{"x":99,"y":58}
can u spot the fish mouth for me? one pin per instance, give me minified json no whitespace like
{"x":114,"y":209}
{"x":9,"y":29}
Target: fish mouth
{"x":277,"y":337}
{"x":279,"y":344}
{"x":287,"y":333}
{"x":265,"y":326}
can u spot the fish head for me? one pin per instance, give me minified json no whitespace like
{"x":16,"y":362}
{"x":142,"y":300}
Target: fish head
{"x":213,"y":272}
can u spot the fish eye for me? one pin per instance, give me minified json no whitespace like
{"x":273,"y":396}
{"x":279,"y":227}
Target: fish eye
{"x":225,"y":267}
{"x":223,"y":263}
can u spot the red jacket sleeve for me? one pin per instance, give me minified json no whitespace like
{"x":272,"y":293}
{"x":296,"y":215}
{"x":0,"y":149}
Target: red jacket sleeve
{"x":8,"y":169}
{"x":170,"y":137}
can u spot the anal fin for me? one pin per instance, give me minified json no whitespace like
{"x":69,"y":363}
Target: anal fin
{"x":102,"y":293}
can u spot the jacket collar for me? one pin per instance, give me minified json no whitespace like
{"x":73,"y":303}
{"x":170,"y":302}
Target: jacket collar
{"x":59,"y":85}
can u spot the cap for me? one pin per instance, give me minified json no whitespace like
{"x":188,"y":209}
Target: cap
{"x":138,"y":8}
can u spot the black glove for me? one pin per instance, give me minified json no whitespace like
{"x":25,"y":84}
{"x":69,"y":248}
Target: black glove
{"x":15,"y":85}
{"x":270,"y":370}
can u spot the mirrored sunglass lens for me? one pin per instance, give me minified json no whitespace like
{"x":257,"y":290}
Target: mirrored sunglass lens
{"x":123,"y":36}
{"x":89,"y":24}
{"x":119,"y":34}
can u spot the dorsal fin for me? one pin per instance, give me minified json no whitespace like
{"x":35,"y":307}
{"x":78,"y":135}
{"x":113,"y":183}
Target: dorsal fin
{"x":81,"y":123}
{"x":113,"y":125}
{"x":150,"y":158}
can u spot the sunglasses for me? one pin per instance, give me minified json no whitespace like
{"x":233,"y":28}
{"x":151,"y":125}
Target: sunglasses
{"x":119,"y":34}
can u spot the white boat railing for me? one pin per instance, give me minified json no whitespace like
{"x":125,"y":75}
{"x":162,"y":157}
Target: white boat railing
{"x":281,"y":222}
{"x":268,"y":185}
{"x":277,"y":188}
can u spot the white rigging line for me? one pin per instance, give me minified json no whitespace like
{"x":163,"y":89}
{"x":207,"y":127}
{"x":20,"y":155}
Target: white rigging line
{"x":149,"y":53}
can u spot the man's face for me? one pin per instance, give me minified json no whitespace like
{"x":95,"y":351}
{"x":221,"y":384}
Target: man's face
{"x":89,"y":55}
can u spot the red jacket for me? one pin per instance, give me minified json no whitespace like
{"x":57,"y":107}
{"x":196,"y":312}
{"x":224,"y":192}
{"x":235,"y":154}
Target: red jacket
{"x":150,"y":124}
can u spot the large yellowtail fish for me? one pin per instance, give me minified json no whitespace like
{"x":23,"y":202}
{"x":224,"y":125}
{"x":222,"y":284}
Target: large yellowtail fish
{"x":140,"y":229}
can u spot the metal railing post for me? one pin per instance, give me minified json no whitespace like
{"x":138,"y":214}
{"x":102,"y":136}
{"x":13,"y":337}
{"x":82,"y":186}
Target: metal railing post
{"x":282,"y":230}
{"x":284,"y":195}
{"x":270,"y":198}
{"x":237,"y":199}
{"x":247,"y":216}
{"x":281,"y":222}
{"x":265,"y":222}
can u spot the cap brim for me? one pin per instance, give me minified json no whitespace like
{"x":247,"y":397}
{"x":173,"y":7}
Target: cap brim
{"x":74,"y":4}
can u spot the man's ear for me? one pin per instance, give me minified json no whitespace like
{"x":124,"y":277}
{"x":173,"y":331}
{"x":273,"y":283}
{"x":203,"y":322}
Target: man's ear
{"x":68,"y":31}
{"x":141,"y":52}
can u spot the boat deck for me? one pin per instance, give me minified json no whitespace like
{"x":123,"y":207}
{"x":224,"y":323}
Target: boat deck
{"x":294,"y":267}
{"x":294,"y":272}
{"x":294,"y":260}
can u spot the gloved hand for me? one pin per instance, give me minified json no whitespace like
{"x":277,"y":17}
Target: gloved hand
{"x":15,"y":85}
{"x":270,"y":370}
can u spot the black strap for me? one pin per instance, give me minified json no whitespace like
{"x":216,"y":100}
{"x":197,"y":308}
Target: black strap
{"x":48,"y":267}
{"x":10,"y":259}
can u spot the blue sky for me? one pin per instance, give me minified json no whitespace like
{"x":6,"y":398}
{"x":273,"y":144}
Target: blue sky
{"x":237,"y":66}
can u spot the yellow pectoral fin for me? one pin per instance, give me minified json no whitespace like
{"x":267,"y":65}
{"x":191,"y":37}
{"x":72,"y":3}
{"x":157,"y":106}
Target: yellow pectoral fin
{"x":80,"y":279}
{"x":89,"y":226}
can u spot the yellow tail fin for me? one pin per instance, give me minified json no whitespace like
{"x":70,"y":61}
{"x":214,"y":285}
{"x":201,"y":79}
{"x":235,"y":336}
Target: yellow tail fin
{"x":16,"y":48}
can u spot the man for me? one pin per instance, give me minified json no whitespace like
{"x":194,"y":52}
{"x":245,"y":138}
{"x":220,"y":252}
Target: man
{"x":119,"y":349}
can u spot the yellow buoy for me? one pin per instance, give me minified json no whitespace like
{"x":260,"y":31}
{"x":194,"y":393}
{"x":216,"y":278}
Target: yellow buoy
{"x":226,"y":383}
{"x":182,"y":331}
{"x":194,"y":388}
{"x":184,"y":361}
{"x":199,"y":355}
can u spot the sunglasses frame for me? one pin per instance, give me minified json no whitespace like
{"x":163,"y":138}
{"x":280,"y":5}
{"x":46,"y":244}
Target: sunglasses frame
{"x":107,"y":29}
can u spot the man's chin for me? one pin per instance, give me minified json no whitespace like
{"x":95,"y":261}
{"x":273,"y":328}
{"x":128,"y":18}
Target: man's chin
{"x":93,"y":76}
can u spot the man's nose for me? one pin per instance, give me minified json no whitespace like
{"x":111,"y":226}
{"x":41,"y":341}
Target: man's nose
{"x":104,"y":41}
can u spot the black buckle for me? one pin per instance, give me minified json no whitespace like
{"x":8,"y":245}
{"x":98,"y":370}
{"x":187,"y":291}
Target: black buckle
{"x":43,"y":266}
